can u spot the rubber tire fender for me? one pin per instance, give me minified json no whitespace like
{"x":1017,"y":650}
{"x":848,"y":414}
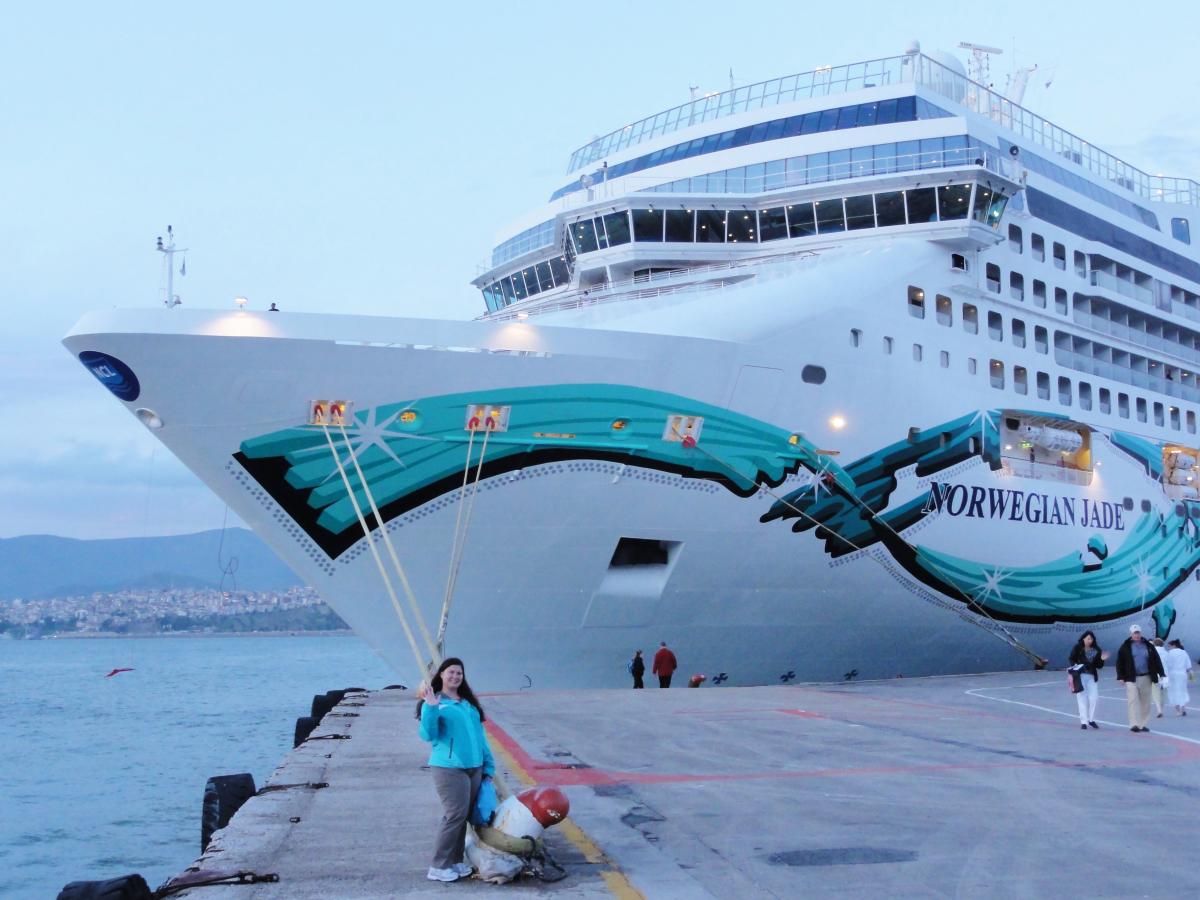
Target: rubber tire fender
{"x":304,"y":727}
{"x":127,"y":887}
{"x":223,"y":796}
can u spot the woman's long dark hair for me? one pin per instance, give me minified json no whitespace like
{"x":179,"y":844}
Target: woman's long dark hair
{"x":1095,"y":643}
{"x":464,"y":689}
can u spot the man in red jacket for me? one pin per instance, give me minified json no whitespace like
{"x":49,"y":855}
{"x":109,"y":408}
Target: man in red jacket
{"x":664,"y":665}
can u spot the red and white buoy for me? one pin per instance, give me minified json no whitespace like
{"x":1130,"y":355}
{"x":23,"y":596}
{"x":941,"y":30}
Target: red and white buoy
{"x":531,"y":812}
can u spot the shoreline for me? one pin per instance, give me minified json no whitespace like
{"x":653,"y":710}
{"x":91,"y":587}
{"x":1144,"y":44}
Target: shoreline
{"x":111,"y":635}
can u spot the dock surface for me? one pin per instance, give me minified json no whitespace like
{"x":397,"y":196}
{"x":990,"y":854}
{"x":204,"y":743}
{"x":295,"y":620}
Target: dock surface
{"x":974,"y":786}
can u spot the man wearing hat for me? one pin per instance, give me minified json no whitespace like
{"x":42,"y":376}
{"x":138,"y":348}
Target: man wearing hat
{"x":1140,"y":668}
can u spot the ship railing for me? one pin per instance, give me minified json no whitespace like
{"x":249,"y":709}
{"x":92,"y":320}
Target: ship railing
{"x":819,"y":82}
{"x":690,"y":278}
{"x":724,"y":183}
{"x":913,"y":68}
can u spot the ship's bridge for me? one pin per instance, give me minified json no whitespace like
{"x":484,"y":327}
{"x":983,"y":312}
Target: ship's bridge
{"x":955,"y":195}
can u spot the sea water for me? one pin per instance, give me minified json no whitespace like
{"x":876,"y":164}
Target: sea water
{"x":104,"y":776}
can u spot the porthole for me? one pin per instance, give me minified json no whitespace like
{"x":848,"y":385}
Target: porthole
{"x":813,"y":374}
{"x":1145,"y":506}
{"x":1128,"y":504}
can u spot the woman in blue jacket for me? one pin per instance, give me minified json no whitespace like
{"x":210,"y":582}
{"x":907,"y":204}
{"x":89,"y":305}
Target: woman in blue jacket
{"x":452,"y":720}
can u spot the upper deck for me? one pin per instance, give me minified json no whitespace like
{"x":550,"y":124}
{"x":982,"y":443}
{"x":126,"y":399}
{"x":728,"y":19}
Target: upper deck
{"x":914,"y":68}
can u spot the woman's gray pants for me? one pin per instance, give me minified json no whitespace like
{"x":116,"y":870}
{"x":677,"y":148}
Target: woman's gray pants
{"x":457,"y":789}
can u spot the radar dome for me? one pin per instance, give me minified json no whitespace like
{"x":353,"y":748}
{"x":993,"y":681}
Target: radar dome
{"x":914,"y":46}
{"x":950,"y":81}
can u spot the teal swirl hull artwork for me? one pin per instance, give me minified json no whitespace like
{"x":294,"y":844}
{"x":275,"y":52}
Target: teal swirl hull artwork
{"x":414,"y":451}
{"x":408,"y":460}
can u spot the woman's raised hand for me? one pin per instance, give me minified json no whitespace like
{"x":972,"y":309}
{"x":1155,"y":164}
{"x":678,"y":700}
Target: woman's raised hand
{"x":427,"y":694}
{"x":1104,"y":655}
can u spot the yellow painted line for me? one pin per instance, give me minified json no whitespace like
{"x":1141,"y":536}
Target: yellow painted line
{"x":614,"y":878}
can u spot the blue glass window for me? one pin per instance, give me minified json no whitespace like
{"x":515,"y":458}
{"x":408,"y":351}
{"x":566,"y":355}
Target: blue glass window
{"x":862,"y":161}
{"x":647,"y":225}
{"x":774,"y":175}
{"x":791,"y":126}
{"x":558,"y":266}
{"x":954,"y":201}
{"x":829,"y":120}
{"x":886,"y":113}
{"x":518,"y":284}
{"x":710,"y":226}
{"x":818,"y":167}
{"x":839,"y":164}
{"x":860,"y":212}
{"x":584,"y":235}
{"x":922,"y":205}
{"x":742,"y":226}
{"x":812,"y":123}
{"x":907,"y":154}
{"x":889,"y":208}
{"x":545,"y":279}
{"x":867,"y":114}
{"x":931,"y":153}
{"x":800,"y":220}
{"x":772,"y":224}
{"x":831,"y":216}
{"x":1181,"y":231}
{"x":506,"y":290}
{"x":617,"y":225}
{"x":680,"y":225}
{"x":847,"y":117}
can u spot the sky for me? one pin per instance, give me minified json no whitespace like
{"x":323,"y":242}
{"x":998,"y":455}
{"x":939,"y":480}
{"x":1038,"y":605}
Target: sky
{"x":360,"y":158}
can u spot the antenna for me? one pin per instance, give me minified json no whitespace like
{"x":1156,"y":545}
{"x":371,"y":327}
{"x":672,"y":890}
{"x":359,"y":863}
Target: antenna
{"x":979,"y":67}
{"x":692,"y":88}
{"x":169,"y":250}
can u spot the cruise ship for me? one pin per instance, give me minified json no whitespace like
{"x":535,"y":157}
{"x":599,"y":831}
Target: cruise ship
{"x":862,"y":372}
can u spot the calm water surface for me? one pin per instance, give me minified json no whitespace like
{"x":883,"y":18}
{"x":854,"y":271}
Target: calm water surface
{"x":105,"y":775}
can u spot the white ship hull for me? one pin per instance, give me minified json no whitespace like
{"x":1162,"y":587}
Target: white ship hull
{"x":538,"y":599}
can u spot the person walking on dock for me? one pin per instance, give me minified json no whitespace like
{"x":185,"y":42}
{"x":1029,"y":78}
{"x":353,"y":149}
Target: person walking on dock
{"x":1179,"y":672}
{"x":637,"y":668}
{"x":452,"y":720}
{"x":1090,"y":658}
{"x":1140,"y":668}
{"x":665,"y":665}
{"x":1158,"y":693}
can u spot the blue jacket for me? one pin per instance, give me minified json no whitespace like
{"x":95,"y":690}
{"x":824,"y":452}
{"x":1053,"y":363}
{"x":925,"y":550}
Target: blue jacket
{"x":454,"y":729}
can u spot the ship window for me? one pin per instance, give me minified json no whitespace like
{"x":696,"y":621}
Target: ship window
{"x":544,"y":277}
{"x":996,"y":374}
{"x":813,"y":374}
{"x":839,"y":164}
{"x":917,"y":353}
{"x":743,"y":226}
{"x":995,"y":326}
{"x":617,"y":225}
{"x":1060,"y":301}
{"x":1039,"y":293}
{"x":944,"y":358}
{"x":830,"y":216}
{"x":1037,"y":247}
{"x":1181,"y":231}
{"x":992,"y":272}
{"x":1043,"y":386}
{"x":970,"y":319}
{"x":922,"y":205}
{"x":1060,"y":256}
{"x":710,"y":226}
{"x":1020,"y":379}
{"x":1191,"y":422}
{"x":1018,"y":333}
{"x":1105,"y":400}
{"x":983,"y":202}
{"x":1141,"y":409}
{"x":954,"y":201}
{"x":887,"y":345}
{"x":506,"y":290}
{"x":800,"y":220}
{"x":1158,"y":414}
{"x":889,"y":208}
{"x":1016,"y":285}
{"x":518,"y":283}
{"x":1014,"y":238}
{"x":647,"y":225}
{"x":1085,"y":395}
{"x":1080,"y":264}
{"x":916,"y":302}
{"x":1146,"y":506}
{"x":1123,"y":405}
{"x":958,"y":261}
{"x":855,"y":337}
{"x":1041,"y":340}
{"x":558,"y":266}
{"x":584,"y":234}
{"x":860,"y":212}
{"x":680,"y":225}
{"x":601,"y":237}
{"x":1175,"y":418}
{"x":772,"y":224}
{"x":971,"y":367}
{"x":945,"y":311}
{"x":1064,"y":391}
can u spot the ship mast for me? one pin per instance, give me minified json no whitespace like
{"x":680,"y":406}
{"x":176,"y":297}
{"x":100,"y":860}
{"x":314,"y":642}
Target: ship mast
{"x":169,"y":250}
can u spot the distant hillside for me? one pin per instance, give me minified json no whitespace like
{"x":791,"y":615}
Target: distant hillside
{"x":39,"y":566}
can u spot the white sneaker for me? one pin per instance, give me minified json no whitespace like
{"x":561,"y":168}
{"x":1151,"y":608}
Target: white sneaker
{"x":451,"y":874}
{"x":464,"y":869}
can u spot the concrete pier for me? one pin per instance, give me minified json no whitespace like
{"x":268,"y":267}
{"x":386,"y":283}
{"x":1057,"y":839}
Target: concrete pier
{"x":976,"y":786}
